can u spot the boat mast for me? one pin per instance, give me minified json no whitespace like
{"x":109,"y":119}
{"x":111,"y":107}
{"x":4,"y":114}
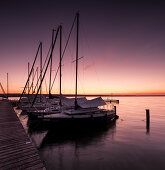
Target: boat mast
{"x":60,"y":59}
{"x":37,"y":77}
{"x":40,"y":70}
{"x":3,"y":90}
{"x":7,"y":86}
{"x":30,"y":73}
{"x":51,"y":67}
{"x":32,"y":79}
{"x":53,"y":45}
{"x":77,"y":16}
{"x":28,"y":76}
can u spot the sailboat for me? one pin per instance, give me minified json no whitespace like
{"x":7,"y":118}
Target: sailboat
{"x":80,"y":110}
{"x":34,"y":104}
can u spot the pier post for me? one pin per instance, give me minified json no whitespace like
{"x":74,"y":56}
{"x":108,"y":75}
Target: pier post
{"x":148,"y":120}
{"x":116,"y":116}
{"x":115,"y":109}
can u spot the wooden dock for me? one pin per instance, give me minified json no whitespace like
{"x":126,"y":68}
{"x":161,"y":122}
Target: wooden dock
{"x":16,"y":149}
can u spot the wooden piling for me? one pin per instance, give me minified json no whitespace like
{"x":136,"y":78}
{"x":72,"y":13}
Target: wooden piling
{"x":148,"y":120}
{"x":147,"y":115}
{"x":115,"y":109}
{"x":116,"y":116}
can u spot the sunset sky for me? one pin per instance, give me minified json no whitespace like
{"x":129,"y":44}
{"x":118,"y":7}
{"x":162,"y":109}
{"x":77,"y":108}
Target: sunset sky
{"x":122,"y":43}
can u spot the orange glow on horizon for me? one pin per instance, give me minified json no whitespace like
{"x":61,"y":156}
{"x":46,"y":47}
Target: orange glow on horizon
{"x":105,"y":94}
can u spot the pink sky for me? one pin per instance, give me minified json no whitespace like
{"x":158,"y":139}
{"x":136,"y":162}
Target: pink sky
{"x":122,"y":44}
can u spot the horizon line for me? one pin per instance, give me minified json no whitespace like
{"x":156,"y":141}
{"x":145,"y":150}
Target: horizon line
{"x":97,"y":94}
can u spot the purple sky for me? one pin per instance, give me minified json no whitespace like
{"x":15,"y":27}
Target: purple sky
{"x":123,"y":42}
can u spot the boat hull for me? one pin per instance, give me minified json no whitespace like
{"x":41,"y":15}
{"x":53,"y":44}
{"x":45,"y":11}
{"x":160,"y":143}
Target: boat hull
{"x":77,"y":122}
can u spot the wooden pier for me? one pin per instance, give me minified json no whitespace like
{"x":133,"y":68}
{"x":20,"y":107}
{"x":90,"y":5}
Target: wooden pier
{"x":16,"y":149}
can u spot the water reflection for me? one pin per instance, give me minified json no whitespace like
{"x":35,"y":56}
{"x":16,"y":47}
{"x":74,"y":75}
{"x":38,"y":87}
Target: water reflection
{"x":35,"y":126}
{"x":147,"y":127}
{"x":80,"y":137}
{"x":65,"y":148}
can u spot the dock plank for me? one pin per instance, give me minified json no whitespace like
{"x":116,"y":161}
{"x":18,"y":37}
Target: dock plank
{"x":16,"y":149}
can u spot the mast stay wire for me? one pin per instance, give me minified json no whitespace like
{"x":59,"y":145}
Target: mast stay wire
{"x":53,"y":45}
{"x":64,"y":51}
{"x":42,"y":70}
{"x":33,"y":79}
{"x":43,"y":67}
{"x":30,"y":72}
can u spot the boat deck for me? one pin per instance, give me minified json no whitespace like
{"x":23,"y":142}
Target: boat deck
{"x":16,"y":149}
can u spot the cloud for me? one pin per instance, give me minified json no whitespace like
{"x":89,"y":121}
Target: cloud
{"x":88,"y":67}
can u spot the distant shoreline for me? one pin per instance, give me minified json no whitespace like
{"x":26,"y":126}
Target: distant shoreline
{"x":93,"y":95}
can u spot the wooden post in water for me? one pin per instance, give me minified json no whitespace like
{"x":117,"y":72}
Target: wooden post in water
{"x":116,"y":116}
{"x":148,"y":120}
{"x":115,"y":109}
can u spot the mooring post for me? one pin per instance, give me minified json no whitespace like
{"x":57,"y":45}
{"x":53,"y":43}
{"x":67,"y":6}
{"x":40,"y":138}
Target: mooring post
{"x":148,"y":120}
{"x":116,"y":116}
{"x":115,"y":109}
{"x":147,"y":115}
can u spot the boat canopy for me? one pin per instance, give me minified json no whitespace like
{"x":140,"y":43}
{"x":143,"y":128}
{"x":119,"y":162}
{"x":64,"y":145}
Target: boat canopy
{"x":92,"y":103}
{"x":71,"y":101}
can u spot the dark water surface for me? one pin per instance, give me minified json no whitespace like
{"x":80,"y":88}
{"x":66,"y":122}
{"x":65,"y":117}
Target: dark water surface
{"x":125,"y":144}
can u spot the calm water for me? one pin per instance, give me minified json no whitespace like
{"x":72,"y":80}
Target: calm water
{"x":123,"y":145}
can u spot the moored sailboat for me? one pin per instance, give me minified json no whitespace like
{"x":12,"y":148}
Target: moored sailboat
{"x":80,"y":111}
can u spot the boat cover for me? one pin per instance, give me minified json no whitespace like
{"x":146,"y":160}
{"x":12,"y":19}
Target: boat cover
{"x":92,"y":103}
{"x":71,"y":101}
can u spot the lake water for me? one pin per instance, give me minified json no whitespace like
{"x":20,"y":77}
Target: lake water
{"x":125,"y":144}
